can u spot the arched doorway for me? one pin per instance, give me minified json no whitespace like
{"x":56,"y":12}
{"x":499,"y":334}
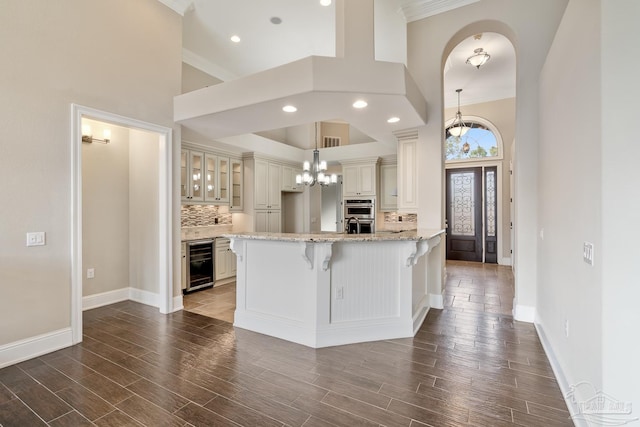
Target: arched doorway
{"x":477,"y":184}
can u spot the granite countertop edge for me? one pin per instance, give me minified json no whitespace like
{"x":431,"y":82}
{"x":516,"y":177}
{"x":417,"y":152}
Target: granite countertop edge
{"x":338,"y":237}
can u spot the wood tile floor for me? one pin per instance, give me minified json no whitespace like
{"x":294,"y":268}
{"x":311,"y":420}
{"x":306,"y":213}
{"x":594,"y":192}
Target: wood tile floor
{"x":469,"y":364}
{"x":218,"y":302}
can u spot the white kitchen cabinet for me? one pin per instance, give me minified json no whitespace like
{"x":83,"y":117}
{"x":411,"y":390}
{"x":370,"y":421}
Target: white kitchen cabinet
{"x":289,"y":174}
{"x":388,"y":188}
{"x":191,"y":176}
{"x":225,"y":259}
{"x":216,"y":179}
{"x":267,"y":185}
{"x":407,"y":176}
{"x":236,"y":197}
{"x":359,"y":180}
{"x":268,"y":221}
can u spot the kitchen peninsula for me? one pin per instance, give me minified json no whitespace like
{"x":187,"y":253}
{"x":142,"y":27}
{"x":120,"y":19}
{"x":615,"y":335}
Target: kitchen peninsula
{"x":321,"y":290}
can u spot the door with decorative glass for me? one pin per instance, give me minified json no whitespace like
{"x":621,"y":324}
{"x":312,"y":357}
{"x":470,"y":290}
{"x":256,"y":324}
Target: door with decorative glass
{"x":471,"y":210}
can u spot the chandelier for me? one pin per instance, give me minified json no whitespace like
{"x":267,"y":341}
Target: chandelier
{"x":458,"y":128}
{"x":479,"y":58}
{"x":315,"y":171}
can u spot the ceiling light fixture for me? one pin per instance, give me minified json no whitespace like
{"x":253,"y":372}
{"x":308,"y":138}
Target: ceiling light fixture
{"x":458,"y":128}
{"x":393,"y":120}
{"x":276,"y":20}
{"x":88,"y":137}
{"x":360,"y":104}
{"x":235,"y":38}
{"x":289,"y":109}
{"x":479,"y":58}
{"x":314,"y":172}
{"x":325,"y":2}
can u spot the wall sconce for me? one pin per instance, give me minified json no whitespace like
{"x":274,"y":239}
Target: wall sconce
{"x":88,"y":137}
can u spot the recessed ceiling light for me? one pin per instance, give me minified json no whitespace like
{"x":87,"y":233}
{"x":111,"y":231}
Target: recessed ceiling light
{"x":393,"y":120}
{"x":235,"y":39}
{"x":289,"y":109}
{"x":325,"y":2}
{"x":360,"y":104}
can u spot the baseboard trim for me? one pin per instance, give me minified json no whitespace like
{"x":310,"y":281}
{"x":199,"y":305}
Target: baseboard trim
{"x":104,"y":298}
{"x":561,"y":378}
{"x":144,"y":297}
{"x":178,"y":303}
{"x":124,"y":294}
{"x":505,"y":261}
{"x":524,"y":313}
{"x":436,"y":301}
{"x":29,"y":348}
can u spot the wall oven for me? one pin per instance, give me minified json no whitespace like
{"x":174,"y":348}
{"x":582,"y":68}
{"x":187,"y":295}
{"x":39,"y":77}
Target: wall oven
{"x":360,"y":216}
{"x":200,"y":264}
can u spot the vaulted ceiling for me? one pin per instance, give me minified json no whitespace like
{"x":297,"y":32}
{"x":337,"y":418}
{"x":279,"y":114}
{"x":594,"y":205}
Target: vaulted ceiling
{"x":277,"y":32}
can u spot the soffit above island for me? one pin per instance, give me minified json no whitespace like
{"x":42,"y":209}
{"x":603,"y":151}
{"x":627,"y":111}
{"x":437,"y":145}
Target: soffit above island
{"x":321,"y":88}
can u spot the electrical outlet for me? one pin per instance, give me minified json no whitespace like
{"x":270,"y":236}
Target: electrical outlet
{"x":587,"y":253}
{"x":340,"y":293}
{"x":91,"y":273}
{"x":566,"y":328}
{"x":542,"y":234}
{"x":36,"y":238}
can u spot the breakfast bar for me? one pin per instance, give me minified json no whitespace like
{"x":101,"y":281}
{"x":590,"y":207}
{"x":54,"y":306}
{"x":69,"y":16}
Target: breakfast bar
{"x":330,"y":289}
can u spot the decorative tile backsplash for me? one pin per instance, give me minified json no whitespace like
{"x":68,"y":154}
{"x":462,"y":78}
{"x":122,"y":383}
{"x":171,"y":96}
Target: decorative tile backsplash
{"x":204,"y":215}
{"x":395,"y":217}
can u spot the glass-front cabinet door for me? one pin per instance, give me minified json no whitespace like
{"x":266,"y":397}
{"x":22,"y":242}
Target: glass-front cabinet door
{"x":216,"y":179}
{"x":235,"y":200}
{"x":197,"y":176}
{"x":223,"y":179}
{"x":184,"y":175}
{"x":211,"y":186}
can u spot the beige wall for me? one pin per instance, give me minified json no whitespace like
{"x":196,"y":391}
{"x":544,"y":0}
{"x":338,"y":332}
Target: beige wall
{"x":143,"y":211}
{"x":119,"y":56}
{"x":105,"y":210}
{"x":502,"y":114}
{"x":194,"y":79}
{"x":430,"y":41}
{"x":587,"y":194}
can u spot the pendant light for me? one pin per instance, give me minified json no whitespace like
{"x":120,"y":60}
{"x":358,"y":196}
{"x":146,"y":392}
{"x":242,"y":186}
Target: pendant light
{"x":479,"y":58}
{"x":458,"y":128}
{"x":314,"y":172}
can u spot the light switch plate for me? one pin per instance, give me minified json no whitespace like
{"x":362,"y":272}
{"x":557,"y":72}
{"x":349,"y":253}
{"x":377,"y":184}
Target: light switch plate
{"x":587,"y":253}
{"x":36,"y":238}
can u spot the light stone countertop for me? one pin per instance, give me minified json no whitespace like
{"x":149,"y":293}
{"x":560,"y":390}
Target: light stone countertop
{"x":206,"y":232}
{"x":339,"y":237}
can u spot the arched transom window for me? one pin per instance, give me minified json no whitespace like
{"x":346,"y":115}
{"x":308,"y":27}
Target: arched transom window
{"x":481,"y":141}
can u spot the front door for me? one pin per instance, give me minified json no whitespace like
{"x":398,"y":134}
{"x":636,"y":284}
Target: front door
{"x":472,"y":214}
{"x":464,"y":214}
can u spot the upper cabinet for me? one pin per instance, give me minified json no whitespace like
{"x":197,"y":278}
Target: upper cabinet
{"x":216,"y":179}
{"x":191,"y":176}
{"x":289,"y":174}
{"x":388,"y":195}
{"x":267,"y":185}
{"x":407,"y":181}
{"x":359,"y":179}
{"x":210,"y":178}
{"x":236,"y":200}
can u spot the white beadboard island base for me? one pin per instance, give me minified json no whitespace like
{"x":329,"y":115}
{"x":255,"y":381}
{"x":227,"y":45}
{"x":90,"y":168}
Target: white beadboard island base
{"x":322,"y":290}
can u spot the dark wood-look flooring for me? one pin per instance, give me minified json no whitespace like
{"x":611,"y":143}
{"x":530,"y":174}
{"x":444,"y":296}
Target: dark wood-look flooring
{"x":468,"y":365}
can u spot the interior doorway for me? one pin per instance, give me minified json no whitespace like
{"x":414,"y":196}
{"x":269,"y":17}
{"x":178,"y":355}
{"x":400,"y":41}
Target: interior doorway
{"x":472,"y":214}
{"x":160,"y":291}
